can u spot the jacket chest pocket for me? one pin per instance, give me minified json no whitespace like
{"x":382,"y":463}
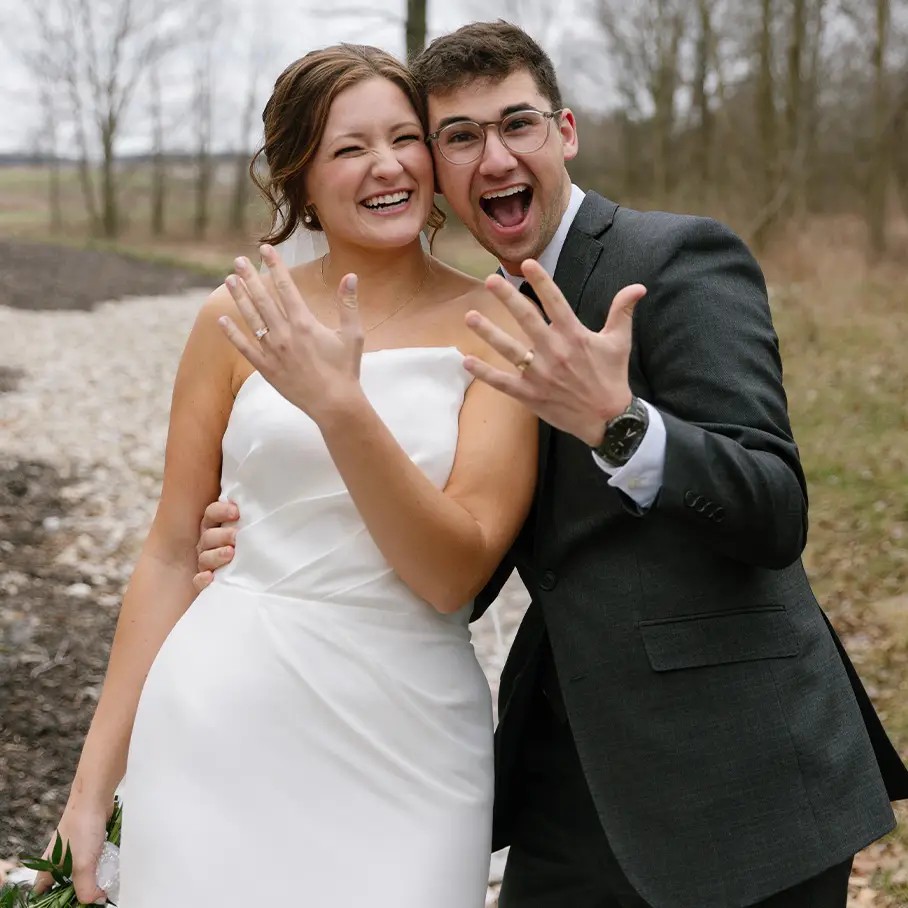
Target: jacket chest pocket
{"x":719,"y":638}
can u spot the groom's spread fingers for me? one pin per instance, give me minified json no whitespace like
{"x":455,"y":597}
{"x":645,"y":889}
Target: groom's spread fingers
{"x":524,"y":310}
{"x":554,"y":304}
{"x":501,"y":381}
{"x":497,"y":338}
{"x":621,"y":312}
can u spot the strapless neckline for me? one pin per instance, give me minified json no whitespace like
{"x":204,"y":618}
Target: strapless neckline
{"x":450,"y":348}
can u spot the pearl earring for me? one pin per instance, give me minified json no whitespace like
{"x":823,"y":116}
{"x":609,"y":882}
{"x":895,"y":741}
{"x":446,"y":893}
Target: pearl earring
{"x":307,"y":218}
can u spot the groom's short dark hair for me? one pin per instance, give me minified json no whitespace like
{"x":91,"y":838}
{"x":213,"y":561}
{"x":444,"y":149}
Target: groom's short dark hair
{"x":484,"y":50}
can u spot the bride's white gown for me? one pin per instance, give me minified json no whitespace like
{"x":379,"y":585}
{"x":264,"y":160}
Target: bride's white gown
{"x":312,"y":733}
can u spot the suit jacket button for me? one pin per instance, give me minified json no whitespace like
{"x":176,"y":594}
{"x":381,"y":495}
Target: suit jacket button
{"x":548,"y":581}
{"x":719,"y":514}
{"x":691,"y":498}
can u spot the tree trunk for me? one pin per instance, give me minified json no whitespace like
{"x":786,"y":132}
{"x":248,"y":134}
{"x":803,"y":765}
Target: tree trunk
{"x":158,"y":165}
{"x":203,"y":151}
{"x":766,"y":119}
{"x":110,"y":215}
{"x":416,"y":27}
{"x":811,"y":105}
{"x":54,"y":203}
{"x":668,"y":42}
{"x":794,"y":97}
{"x":704,"y":56}
{"x":878,"y":179}
{"x":240,"y":197}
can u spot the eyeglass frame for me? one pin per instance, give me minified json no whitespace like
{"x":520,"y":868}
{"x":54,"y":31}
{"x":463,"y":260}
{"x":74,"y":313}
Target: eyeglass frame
{"x":547,"y":115}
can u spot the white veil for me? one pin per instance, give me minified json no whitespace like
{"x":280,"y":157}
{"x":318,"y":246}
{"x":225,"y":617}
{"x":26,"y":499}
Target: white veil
{"x":304,"y":245}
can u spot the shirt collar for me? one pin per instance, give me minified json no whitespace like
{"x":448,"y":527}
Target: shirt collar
{"x":549,"y":257}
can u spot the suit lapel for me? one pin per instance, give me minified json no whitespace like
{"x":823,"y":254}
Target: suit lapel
{"x":582,"y":248}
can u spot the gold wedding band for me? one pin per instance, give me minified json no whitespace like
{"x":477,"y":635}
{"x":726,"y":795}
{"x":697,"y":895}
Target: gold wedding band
{"x":261,"y":332}
{"x":527,"y":360}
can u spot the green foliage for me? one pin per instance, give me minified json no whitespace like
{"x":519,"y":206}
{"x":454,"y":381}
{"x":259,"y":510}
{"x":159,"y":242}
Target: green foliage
{"x":59,"y":865}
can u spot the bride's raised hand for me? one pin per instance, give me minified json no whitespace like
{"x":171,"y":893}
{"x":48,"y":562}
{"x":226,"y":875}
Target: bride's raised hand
{"x":316,"y":368}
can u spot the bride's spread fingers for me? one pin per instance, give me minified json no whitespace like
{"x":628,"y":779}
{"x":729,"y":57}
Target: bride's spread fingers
{"x":350,"y":325}
{"x":239,"y":340}
{"x":290,"y":298}
{"x":269,"y":311}
{"x":251,"y":315}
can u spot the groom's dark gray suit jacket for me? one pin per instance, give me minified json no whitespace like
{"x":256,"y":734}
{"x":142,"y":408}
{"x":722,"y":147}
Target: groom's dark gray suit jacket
{"x":728,"y":744}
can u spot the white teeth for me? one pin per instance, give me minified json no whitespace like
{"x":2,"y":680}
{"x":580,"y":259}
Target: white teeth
{"x":392,"y":199}
{"x":502,"y":193}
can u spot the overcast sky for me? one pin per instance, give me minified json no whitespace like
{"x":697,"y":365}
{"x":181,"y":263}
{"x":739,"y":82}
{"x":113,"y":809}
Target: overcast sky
{"x":284,"y":31}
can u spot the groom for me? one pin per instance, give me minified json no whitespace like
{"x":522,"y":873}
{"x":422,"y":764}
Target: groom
{"x":679,"y":726}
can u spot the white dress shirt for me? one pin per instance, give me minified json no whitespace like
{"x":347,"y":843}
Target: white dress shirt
{"x":641,"y":477}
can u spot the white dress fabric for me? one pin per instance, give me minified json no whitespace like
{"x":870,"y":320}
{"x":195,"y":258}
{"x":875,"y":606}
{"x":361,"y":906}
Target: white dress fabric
{"x":312,"y":733}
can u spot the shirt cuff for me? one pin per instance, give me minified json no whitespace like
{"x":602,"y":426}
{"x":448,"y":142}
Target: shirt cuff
{"x":641,"y":477}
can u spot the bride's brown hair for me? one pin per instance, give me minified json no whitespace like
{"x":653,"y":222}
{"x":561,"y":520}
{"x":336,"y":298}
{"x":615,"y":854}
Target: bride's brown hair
{"x":295,"y":118}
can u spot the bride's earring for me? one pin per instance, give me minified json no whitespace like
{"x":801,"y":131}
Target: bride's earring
{"x":307,"y":218}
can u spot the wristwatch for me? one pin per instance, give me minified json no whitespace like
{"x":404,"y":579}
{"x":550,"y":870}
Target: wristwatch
{"x":623,"y":434}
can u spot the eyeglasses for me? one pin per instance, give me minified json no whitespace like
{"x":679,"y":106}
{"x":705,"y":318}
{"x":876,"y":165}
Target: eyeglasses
{"x":521,"y":132}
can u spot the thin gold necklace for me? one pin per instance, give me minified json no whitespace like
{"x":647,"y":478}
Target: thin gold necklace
{"x":393,"y":312}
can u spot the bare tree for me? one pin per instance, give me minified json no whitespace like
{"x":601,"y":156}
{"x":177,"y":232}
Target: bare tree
{"x":645,"y":42}
{"x":416,"y":27}
{"x":240,"y":194}
{"x":39,"y":61}
{"x":115,"y":43}
{"x":202,"y":121}
{"x":158,"y":159}
{"x":767,"y":121}
{"x":878,"y":181}
{"x":705,"y":62}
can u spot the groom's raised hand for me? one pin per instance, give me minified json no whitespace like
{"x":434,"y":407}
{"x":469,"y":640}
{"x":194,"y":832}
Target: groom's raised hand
{"x":572,"y":378}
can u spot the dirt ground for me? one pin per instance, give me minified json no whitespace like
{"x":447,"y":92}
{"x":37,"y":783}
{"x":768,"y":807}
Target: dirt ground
{"x":53,"y":638}
{"x":36,"y":276}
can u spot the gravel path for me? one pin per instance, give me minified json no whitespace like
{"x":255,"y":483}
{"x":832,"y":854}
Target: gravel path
{"x":84,"y":402}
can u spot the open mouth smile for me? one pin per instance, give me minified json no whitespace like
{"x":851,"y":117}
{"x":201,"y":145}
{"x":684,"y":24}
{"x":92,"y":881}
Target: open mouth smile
{"x":507,"y":207}
{"x":388,"y":202}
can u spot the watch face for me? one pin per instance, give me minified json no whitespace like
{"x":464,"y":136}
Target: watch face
{"x":623,"y":436}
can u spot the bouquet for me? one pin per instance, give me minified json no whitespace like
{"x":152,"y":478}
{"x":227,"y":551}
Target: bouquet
{"x":62,"y":894}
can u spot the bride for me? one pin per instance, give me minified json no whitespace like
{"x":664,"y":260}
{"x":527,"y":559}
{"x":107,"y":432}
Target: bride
{"x":318,"y":710}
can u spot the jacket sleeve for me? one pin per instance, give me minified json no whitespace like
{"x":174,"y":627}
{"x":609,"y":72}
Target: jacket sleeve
{"x":710,"y":355}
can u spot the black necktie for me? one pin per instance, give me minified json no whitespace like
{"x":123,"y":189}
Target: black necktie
{"x":526,"y":288}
